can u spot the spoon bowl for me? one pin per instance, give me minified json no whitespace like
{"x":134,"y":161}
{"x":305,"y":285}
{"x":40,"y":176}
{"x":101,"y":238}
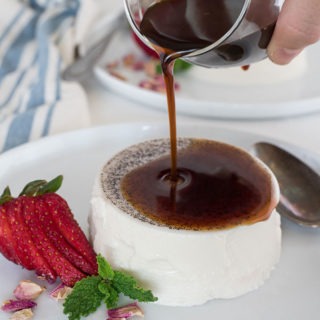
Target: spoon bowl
{"x":299,"y":184}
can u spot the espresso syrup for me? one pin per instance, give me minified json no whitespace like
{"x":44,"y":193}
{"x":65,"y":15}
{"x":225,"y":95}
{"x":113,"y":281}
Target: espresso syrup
{"x":218,"y":187}
{"x":204,"y":188}
{"x":174,"y":38}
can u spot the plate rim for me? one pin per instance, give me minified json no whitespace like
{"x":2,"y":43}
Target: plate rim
{"x":74,"y":135}
{"x":213,"y":109}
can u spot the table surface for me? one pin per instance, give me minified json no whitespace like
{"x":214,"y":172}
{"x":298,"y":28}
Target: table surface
{"x":107,"y":107}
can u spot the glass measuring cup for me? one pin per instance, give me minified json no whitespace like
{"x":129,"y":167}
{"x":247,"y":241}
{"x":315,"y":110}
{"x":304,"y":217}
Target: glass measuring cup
{"x":217,"y":33}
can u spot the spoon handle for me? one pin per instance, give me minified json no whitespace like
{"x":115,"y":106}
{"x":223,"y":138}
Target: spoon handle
{"x":78,"y":69}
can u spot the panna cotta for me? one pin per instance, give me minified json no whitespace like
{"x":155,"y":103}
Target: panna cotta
{"x":188,"y":253}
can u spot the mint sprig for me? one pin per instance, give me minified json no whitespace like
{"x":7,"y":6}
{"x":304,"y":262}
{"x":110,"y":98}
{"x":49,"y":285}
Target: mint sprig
{"x":88,"y":293}
{"x":179,"y":66}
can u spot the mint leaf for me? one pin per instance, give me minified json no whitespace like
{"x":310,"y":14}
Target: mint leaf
{"x":158,"y":68}
{"x":84,"y":299}
{"x":104,"y":269}
{"x":104,"y":288}
{"x":181,"y":65}
{"x":112,"y":301}
{"x":88,"y":293}
{"x":128,"y":285}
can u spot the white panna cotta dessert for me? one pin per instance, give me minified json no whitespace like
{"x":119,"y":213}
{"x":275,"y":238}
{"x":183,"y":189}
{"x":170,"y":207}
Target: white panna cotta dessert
{"x":213,"y":234}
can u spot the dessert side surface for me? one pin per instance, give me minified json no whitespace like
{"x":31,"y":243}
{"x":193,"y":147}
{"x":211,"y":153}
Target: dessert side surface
{"x":183,"y":267}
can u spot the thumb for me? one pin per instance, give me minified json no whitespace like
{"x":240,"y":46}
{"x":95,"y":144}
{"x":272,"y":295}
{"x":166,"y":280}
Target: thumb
{"x":298,"y":26}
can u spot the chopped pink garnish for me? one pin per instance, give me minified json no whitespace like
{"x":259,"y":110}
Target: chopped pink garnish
{"x":118,"y":75}
{"x":60,"y":292}
{"x":129,"y":60}
{"x":24,"y":314}
{"x":150,"y":67}
{"x":112,"y":65}
{"x":125,"y":312}
{"x":159,"y":78}
{"x":16,"y":305}
{"x":147,"y":84}
{"x":138,"y":65}
{"x":160,"y":89}
{"x":28,"y":290}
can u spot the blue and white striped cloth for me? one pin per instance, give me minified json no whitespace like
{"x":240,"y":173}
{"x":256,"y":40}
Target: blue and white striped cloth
{"x":35,"y":44}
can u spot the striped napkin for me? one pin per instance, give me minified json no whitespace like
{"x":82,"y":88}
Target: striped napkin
{"x":37,"y":40}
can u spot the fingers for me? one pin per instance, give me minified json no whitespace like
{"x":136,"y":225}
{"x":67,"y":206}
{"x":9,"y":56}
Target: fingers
{"x":298,"y":26}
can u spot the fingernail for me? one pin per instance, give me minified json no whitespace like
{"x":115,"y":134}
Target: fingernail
{"x":283,"y":55}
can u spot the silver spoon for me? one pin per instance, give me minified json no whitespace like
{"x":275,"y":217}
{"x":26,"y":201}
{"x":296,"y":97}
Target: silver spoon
{"x":81,"y":67}
{"x":299,"y":184}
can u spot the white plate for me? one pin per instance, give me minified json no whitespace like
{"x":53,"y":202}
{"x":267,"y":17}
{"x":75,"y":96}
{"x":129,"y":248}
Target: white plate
{"x":292,"y":292}
{"x":264,"y":91}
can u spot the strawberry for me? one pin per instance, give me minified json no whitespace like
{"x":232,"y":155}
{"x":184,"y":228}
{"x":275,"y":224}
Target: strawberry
{"x":27,"y":253}
{"x":38,"y":231}
{"x":56,"y":236}
{"x":32,"y":216}
{"x":69,"y":227}
{"x":6,"y":241}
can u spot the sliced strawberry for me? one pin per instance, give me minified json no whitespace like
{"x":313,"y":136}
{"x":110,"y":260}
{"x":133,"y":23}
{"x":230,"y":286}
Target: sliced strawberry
{"x":38,"y":231}
{"x":69,"y":227}
{"x":6,"y":240}
{"x":26,"y":251}
{"x":68,"y":274}
{"x":58,"y":240}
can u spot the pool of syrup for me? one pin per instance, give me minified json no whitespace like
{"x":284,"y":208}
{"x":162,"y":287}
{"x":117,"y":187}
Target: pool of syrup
{"x":218,"y":187}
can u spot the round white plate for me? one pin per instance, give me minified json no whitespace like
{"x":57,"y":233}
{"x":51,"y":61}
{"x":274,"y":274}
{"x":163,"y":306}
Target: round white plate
{"x":292,"y":292}
{"x":264,"y":91}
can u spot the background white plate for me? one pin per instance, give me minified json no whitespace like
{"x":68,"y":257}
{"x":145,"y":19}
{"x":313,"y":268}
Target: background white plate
{"x":264,"y":91}
{"x":292,"y":292}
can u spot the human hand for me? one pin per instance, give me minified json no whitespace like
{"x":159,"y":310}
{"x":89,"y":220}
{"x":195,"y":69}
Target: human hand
{"x":297,"y":27}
